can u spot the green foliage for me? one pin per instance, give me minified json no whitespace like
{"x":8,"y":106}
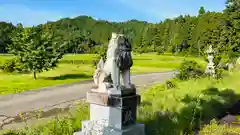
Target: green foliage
{"x":217,"y":59}
{"x":5,"y":33}
{"x":13,"y":65}
{"x":9,"y":66}
{"x":170,"y":84}
{"x":188,"y":70}
{"x":215,"y":129}
{"x":219,"y":73}
{"x":102,"y":53}
{"x":201,"y":11}
{"x":36,"y":48}
{"x":231,"y":26}
{"x":159,"y":50}
{"x":185,"y":108}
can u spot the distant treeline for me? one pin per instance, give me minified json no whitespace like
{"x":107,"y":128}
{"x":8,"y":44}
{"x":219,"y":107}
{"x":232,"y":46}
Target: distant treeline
{"x":188,"y":35}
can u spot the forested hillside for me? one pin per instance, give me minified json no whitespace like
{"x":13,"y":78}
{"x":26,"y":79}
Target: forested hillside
{"x":184,"y":34}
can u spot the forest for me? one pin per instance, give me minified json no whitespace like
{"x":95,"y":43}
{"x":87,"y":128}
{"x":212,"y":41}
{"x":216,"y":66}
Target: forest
{"x":185,"y":34}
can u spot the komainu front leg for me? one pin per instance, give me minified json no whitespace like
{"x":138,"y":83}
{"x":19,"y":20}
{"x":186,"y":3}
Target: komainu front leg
{"x":126,"y":78}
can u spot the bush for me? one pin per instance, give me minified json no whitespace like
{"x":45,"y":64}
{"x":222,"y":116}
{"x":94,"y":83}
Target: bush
{"x":215,"y":129}
{"x":189,"y":69}
{"x":76,"y":61}
{"x":13,"y":66}
{"x":219,"y":73}
{"x":159,"y":50}
{"x":9,"y":66}
{"x":170,"y":84}
{"x":217,"y":59}
{"x":1,"y":67}
{"x":102,"y":53}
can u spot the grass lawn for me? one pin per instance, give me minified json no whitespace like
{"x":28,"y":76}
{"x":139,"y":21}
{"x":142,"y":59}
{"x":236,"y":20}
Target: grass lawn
{"x":174,"y":111}
{"x":74,"y":68}
{"x":5,"y":57}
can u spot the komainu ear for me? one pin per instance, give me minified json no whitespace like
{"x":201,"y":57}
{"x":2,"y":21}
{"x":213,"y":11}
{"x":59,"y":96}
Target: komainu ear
{"x":100,"y":64}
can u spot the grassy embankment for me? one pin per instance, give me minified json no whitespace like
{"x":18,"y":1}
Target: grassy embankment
{"x":74,"y":68}
{"x":165,"y":111}
{"x":188,"y":106}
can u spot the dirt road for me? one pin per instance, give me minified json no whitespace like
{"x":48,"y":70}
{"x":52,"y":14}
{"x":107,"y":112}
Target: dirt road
{"x":63,"y":95}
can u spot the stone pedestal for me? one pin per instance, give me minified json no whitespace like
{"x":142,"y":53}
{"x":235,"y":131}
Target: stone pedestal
{"x":112,"y":115}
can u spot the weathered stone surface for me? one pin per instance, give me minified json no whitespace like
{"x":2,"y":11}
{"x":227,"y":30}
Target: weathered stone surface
{"x":210,"y":69}
{"x":117,"y":117}
{"x":97,"y":98}
{"x":114,"y":101}
{"x":137,"y":129}
{"x":118,"y":63}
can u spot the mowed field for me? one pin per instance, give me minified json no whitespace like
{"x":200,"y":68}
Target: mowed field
{"x":75,"y":68}
{"x":180,"y":110}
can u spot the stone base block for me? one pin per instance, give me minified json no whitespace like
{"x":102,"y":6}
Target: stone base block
{"x":104,"y":99}
{"x":137,"y":129}
{"x":120,"y":112}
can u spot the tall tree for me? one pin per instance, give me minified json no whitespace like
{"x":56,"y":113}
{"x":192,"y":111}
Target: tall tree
{"x":36,"y":49}
{"x":5,"y":33}
{"x":232,"y":26}
{"x":201,"y":11}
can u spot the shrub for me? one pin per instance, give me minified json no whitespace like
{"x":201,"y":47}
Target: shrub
{"x":13,"y":66}
{"x":170,"y":84}
{"x":189,"y":69}
{"x":159,"y":50}
{"x":219,"y":73}
{"x":215,"y":129}
{"x":1,"y":67}
{"x":217,"y":59}
{"x":9,"y":66}
{"x":76,"y":61}
{"x":102,"y":53}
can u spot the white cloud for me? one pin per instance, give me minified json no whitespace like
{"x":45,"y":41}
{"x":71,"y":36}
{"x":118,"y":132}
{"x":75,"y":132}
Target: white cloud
{"x":27,"y":16}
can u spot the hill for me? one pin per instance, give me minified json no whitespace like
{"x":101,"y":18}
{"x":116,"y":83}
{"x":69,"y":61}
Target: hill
{"x":184,"y":34}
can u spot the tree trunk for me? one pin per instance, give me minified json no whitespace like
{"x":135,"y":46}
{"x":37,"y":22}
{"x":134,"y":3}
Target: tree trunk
{"x":34,"y":75}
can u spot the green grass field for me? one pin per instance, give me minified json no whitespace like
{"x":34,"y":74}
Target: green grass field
{"x":190,"y":104}
{"x":165,"y":111}
{"x":74,"y":68}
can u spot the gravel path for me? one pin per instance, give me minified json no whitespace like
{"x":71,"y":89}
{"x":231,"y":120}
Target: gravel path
{"x":61,"y":96}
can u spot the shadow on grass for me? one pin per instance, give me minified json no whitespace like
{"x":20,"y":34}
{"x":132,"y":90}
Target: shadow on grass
{"x":197,"y":111}
{"x":68,"y":76}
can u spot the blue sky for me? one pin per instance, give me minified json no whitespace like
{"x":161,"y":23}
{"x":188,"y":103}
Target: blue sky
{"x":33,"y":12}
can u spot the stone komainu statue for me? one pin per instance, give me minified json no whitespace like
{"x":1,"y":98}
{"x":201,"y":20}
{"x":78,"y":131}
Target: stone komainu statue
{"x":118,"y":62}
